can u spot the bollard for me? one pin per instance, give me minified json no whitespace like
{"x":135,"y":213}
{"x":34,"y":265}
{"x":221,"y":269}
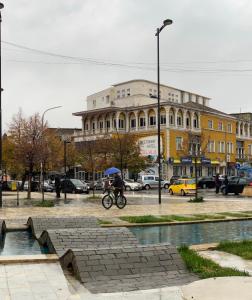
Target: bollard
{"x":18,"y":194}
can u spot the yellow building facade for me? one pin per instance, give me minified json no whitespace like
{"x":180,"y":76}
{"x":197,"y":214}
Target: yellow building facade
{"x":219,"y":140}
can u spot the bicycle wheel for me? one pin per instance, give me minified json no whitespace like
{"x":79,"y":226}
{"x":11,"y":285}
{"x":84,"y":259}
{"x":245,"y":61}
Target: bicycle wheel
{"x":121,"y":201}
{"x":107,"y":201}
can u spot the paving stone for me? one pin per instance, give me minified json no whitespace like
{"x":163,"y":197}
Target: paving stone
{"x":130,"y":273}
{"x":39,"y":224}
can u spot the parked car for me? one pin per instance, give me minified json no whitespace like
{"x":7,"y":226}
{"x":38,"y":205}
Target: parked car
{"x":235,"y":186}
{"x":131,"y":185}
{"x":151,"y":181}
{"x":183,"y":187}
{"x":74,"y":186}
{"x":35,"y":186}
{"x":48,"y":187}
{"x":90,"y":184}
{"x":99,"y":185}
{"x":176,"y":177}
{"x":206,"y":182}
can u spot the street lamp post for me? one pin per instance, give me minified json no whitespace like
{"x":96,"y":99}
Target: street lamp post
{"x":42,"y":162}
{"x":165,"y":23}
{"x":1,"y":146}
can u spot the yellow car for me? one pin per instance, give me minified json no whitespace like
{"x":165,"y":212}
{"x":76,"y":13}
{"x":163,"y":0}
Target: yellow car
{"x":183,"y":187}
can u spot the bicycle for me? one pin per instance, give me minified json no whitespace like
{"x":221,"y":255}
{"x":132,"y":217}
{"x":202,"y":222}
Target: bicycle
{"x":109,"y":199}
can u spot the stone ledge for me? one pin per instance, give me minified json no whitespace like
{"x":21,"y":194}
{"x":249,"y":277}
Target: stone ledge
{"x":41,"y":258}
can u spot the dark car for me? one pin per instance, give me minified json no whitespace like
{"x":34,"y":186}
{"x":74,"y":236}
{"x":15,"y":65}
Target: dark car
{"x":74,"y":186}
{"x":35,"y":186}
{"x":206,"y":182}
{"x":235,"y":186}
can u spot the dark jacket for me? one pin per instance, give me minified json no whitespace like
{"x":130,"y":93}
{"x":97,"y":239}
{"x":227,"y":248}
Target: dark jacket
{"x":118,"y":182}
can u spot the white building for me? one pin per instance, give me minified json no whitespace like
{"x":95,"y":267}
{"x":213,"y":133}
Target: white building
{"x":140,"y":92}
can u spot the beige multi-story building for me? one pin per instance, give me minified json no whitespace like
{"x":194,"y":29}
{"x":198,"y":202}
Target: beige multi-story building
{"x":132,"y":107}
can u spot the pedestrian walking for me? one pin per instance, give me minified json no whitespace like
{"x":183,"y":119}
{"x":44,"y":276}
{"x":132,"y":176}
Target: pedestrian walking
{"x":217,"y":183}
{"x":57,"y":186}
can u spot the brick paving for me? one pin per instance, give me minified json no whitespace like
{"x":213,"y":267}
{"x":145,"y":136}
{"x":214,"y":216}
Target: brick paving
{"x":61,"y":240}
{"x":38,"y":225}
{"x":128,"y":268}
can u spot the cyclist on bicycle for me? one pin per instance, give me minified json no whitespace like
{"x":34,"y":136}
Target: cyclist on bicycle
{"x":118,"y":184}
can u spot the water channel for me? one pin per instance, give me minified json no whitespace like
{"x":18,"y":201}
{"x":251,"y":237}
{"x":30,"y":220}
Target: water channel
{"x":190,"y":234}
{"x":20,"y":243}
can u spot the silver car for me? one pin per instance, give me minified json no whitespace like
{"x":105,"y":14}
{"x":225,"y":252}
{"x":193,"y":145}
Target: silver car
{"x":151,"y":181}
{"x":131,"y":185}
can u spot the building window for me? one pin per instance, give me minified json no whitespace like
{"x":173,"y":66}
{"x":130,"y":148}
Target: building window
{"x":196,"y":121}
{"x":152,"y":120}
{"x":179,"y":143}
{"x":128,"y":92}
{"x":163,"y":119}
{"x":210,"y":124}
{"x":101,"y":125}
{"x":221,"y":147}
{"x":179,"y":120}
{"x":229,"y":128}
{"x":133,"y":123}
{"x":121,"y":124}
{"x":94,"y":103}
{"x":107,"y":99}
{"x":229,"y":147}
{"x":211,"y":147}
{"x":93,"y":126}
{"x":86,"y":126}
{"x":123,"y":93}
{"x":220,"y":126}
{"x":171,"y":119}
{"x":107,"y":124}
{"x":142,"y":122}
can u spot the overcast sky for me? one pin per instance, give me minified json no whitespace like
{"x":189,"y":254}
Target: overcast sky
{"x":206,"y":50}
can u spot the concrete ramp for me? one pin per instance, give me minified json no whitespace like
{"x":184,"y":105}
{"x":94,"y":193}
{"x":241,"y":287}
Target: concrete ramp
{"x":107,"y":270}
{"x":38,"y":225}
{"x":61,"y":240}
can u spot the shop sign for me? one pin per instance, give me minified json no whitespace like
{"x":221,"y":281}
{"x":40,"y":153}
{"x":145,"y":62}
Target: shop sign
{"x":186,"y":160}
{"x":149,"y":145}
{"x":205,"y":161}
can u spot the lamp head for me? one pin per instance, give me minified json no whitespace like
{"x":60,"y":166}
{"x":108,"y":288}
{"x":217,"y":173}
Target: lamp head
{"x":167,"y":22}
{"x":1,"y":5}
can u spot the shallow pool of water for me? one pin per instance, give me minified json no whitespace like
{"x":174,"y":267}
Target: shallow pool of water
{"x":20,"y":243}
{"x":190,"y":234}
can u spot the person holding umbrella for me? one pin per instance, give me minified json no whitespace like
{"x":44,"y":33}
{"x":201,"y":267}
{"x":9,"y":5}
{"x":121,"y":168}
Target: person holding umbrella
{"x":118,"y":184}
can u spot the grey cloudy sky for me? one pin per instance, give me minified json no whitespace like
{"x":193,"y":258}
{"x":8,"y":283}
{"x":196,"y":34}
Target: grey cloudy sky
{"x":207,"y":50}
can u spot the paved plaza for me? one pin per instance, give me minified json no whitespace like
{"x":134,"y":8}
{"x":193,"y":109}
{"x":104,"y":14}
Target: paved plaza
{"x":138,"y":204}
{"x":64,"y":226}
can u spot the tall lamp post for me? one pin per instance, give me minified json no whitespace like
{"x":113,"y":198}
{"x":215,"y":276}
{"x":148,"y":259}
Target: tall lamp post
{"x":165,"y":23}
{"x":1,"y":146}
{"x":42,"y":160}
